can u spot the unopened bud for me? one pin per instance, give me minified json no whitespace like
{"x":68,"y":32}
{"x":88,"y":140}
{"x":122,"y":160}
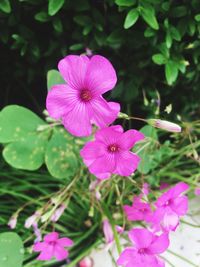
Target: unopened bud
{"x":32,"y":219}
{"x":123,"y":116}
{"x":58,"y":212}
{"x":12,"y":222}
{"x":86,"y":262}
{"x":165,"y":125}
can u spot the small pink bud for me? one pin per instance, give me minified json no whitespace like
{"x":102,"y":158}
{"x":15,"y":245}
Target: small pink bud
{"x":86,"y":262}
{"x":98,"y":195}
{"x":197,"y":191}
{"x":165,"y":125}
{"x":94,"y":184}
{"x":32,"y":219}
{"x":12,"y":222}
{"x":37,"y":233}
{"x":108,"y":232}
{"x":145,"y":189}
{"x":58,"y":213}
{"x":88,"y":52}
{"x":119,"y":229}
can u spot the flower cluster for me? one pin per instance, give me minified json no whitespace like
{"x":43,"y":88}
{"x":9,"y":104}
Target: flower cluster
{"x":162,"y":216}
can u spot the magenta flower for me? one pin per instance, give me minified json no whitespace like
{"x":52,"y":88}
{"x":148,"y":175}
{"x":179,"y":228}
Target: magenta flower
{"x":197,"y":191}
{"x":53,"y":246}
{"x":146,"y":248}
{"x":170,"y":206}
{"x":139,"y":211}
{"x":109,"y":153}
{"x":79,"y":103}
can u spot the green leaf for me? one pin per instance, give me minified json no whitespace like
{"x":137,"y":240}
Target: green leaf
{"x":171,"y":72}
{"x":179,"y":11}
{"x":5,"y":6}
{"x":175,"y":33}
{"x":27,"y":153}
{"x":16,"y":122}
{"x":82,"y":20}
{"x":149,"y":131}
{"x":148,"y":14}
{"x":87,"y":29}
{"x":41,"y":16}
{"x":53,"y":78}
{"x":125,"y":2}
{"x":57,"y":24}
{"x":131,"y":18}
{"x":168,"y":39}
{"x":60,"y":158}
{"x":54,"y":6}
{"x":159,"y":59}
{"x":149,"y":32}
{"x":11,"y":250}
{"x":197,"y":17}
{"x":76,"y":47}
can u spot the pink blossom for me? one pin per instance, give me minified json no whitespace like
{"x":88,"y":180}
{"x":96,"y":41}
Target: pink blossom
{"x":170,"y":206}
{"x":86,"y":262}
{"x":79,"y":103}
{"x":139,"y":211}
{"x":53,"y":246}
{"x":165,"y":125}
{"x":197,"y":191}
{"x":109,"y":153}
{"x":146,"y":248}
{"x":13,"y":222}
{"x":58,"y":213}
{"x":32,"y":219}
{"x":108,"y":232}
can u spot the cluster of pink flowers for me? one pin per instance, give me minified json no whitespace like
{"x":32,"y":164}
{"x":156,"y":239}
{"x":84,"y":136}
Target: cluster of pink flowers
{"x":79,"y":104}
{"x":162,"y":216}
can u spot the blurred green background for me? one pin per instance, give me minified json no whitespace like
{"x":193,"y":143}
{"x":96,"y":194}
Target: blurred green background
{"x":154,"y":46}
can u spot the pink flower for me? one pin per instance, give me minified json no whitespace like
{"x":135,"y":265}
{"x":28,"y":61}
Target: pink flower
{"x":108,"y":232}
{"x":139,"y":211}
{"x":79,"y":103}
{"x":145,"y":251}
{"x":145,"y":189}
{"x":32,"y":219}
{"x":170,"y":206}
{"x":197,"y":191}
{"x":53,"y":246}
{"x":109,"y":153}
{"x":58,"y":213}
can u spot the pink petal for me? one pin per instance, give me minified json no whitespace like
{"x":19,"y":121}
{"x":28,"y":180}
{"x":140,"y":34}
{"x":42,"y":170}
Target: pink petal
{"x":102,"y":112}
{"x":180,"y":205}
{"x":93,"y":150}
{"x":73,"y":69}
{"x":108,"y":232}
{"x":170,"y":221}
{"x":128,"y":255}
{"x":39,"y":246}
{"x":127,"y":163}
{"x":100,"y":76}
{"x":60,"y":253}
{"x":179,"y":189}
{"x":197,"y":191}
{"x":108,"y":135}
{"x":77,"y":121}
{"x":160,"y":244}
{"x":60,"y":100}
{"x":51,"y":237}
{"x":117,"y":128}
{"x":103,"y":176}
{"x":129,"y":138}
{"x":46,"y":254}
{"x":104,"y":164}
{"x":142,"y":238}
{"x":65,"y":242}
{"x":133,"y":214}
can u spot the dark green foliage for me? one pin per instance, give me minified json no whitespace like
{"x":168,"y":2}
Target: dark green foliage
{"x":153,"y":45}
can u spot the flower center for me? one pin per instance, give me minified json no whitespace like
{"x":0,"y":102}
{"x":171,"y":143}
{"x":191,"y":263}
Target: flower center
{"x":168,"y":202}
{"x":142,"y":250}
{"x":52,"y":243}
{"x":113,"y":148}
{"x":85,"y":95}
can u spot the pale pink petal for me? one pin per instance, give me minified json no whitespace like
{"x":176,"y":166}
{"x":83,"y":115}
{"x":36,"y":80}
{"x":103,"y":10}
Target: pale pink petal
{"x":60,"y":100}
{"x":108,"y":135}
{"x":142,"y":238}
{"x":108,"y":232}
{"x":170,"y":221}
{"x":65,"y":242}
{"x":126,"y":163}
{"x":160,"y":244}
{"x":103,"y":176}
{"x":46,"y":254}
{"x":60,"y":253}
{"x":51,"y":237}
{"x":100,"y":76}
{"x":180,"y":205}
{"x":129,"y":138}
{"x":39,"y":246}
{"x":101,"y":112}
{"x":103,"y":164}
{"x":73,"y":69}
{"x":77,"y":121}
{"x":93,"y":150}
{"x":197,"y":191}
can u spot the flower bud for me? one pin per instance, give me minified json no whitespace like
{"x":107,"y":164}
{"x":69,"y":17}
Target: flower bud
{"x":12,"y":222}
{"x":165,"y":125}
{"x":197,"y":191}
{"x":32,"y":219}
{"x":86,"y":262}
{"x":58,"y":212}
{"x":108,"y":232}
{"x":123,"y":116}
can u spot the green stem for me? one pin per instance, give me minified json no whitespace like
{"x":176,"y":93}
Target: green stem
{"x":190,"y":224}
